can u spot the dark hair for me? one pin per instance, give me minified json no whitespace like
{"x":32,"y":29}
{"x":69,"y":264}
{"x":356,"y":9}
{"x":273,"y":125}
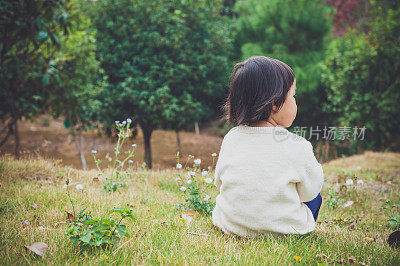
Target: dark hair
{"x":256,"y":85}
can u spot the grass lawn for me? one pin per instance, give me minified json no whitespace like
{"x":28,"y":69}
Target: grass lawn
{"x":33,"y":203}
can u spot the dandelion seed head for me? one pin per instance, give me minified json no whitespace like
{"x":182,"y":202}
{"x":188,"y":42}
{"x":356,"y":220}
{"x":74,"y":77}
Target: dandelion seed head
{"x":208,"y":180}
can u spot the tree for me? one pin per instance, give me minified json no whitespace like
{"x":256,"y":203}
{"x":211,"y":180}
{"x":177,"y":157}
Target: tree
{"x":166,"y":61}
{"x":362,"y":73}
{"x":76,"y":79}
{"x":28,"y":28}
{"x":295,"y":32}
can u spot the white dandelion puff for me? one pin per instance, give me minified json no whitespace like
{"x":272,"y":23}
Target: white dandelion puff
{"x":208,"y":180}
{"x":183,"y":188}
{"x":349,"y":182}
{"x":178,"y":166}
{"x":197,"y":161}
{"x":204,"y":173}
{"x":79,"y":187}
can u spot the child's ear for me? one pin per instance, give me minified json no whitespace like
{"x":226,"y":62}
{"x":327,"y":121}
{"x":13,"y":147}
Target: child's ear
{"x":274,"y":107}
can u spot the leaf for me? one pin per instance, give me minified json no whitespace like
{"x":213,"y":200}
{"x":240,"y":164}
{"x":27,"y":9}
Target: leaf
{"x":39,"y":248}
{"x":42,"y":35}
{"x":67,"y":124}
{"x":351,"y":226}
{"x":369,"y":239}
{"x":189,"y":215}
{"x":352,"y":259}
{"x":70,"y":217}
{"x":45,"y":80}
{"x":86,"y":238}
{"x":121,"y":230}
{"x":74,"y":239}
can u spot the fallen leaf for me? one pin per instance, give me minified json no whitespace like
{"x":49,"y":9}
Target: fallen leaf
{"x":348,"y":204}
{"x":70,"y":217}
{"x":96,"y":179}
{"x":39,"y":248}
{"x":58,"y":224}
{"x":352,"y":259}
{"x":188,"y":215}
{"x":198,"y":234}
{"x":394,"y":239}
{"x":328,"y":259}
{"x":351,"y":226}
{"x":153,"y":182}
{"x":369,"y":239}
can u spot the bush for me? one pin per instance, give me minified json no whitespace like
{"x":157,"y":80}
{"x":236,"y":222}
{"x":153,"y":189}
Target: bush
{"x":362,"y":76}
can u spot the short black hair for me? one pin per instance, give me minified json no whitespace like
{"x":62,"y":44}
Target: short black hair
{"x":256,"y":85}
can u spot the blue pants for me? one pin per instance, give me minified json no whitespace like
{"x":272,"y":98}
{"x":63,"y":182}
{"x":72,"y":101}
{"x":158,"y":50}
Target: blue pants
{"x":314,"y":205}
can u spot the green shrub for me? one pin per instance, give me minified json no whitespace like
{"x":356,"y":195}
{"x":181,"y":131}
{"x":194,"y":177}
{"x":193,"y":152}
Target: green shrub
{"x":362,"y":76}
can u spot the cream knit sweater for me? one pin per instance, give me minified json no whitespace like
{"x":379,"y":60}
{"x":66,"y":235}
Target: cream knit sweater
{"x":264,"y":176}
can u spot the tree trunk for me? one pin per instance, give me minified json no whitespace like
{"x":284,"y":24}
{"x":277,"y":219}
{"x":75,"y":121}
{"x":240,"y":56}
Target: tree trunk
{"x":79,"y":146}
{"x":81,"y":153}
{"x":9,"y":133}
{"x":16,"y":140}
{"x":147,"y":144}
{"x":178,"y":140}
{"x":196,"y":128}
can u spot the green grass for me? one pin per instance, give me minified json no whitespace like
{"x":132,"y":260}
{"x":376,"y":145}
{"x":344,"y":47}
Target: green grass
{"x":160,"y":235}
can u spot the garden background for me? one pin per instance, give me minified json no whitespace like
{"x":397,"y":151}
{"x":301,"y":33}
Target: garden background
{"x":84,"y":83}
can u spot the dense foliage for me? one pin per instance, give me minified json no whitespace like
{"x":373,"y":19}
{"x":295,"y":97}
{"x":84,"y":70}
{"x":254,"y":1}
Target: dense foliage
{"x":29,"y":30}
{"x":362,"y":75}
{"x":166,"y":61}
{"x":294,"y":32}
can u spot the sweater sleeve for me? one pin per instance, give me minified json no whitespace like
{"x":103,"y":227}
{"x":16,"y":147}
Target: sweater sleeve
{"x":217,"y":180}
{"x":312,"y":177}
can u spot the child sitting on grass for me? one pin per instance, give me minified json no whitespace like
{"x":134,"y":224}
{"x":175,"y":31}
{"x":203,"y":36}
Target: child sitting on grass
{"x":268,"y":178}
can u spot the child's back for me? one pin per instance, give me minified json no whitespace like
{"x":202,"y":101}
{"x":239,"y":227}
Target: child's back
{"x":269,"y":179}
{"x":264,"y":174}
